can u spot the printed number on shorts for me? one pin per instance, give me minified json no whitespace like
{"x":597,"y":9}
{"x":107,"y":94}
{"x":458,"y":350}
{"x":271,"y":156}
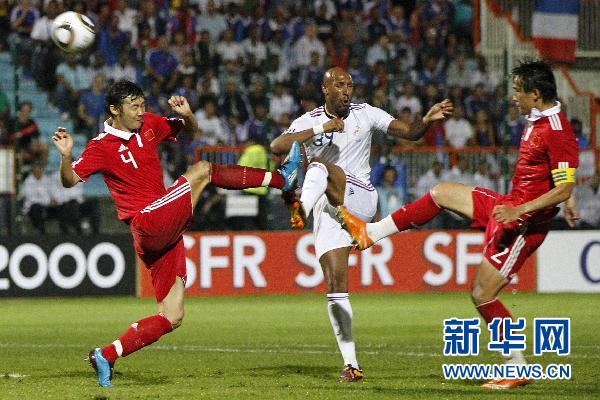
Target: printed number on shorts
{"x":496,"y":257}
{"x":319,"y":141}
{"x":129,"y":160}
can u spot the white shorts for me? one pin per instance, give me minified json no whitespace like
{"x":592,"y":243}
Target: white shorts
{"x":360,"y":199}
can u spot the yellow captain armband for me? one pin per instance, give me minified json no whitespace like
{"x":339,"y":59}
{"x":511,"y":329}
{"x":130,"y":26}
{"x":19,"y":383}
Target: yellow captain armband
{"x":561,"y":176}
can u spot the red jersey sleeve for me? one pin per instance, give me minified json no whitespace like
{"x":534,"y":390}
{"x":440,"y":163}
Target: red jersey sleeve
{"x":90,"y":161}
{"x":563,"y":152}
{"x":164,"y":128}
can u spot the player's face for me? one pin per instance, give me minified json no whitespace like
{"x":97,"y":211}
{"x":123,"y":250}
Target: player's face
{"x":131,"y":115}
{"x":524,"y":101}
{"x":338,"y":93}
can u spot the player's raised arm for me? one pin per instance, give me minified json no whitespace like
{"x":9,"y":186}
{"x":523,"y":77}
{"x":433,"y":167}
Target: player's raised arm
{"x":416,"y":130}
{"x":180,"y":105}
{"x":64,"y":143}
{"x":284,"y":142}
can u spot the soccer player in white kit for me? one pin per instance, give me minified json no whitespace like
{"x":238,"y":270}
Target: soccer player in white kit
{"x":337,"y":138}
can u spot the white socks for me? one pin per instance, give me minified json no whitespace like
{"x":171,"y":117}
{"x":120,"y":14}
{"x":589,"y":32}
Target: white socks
{"x":315,"y":184}
{"x":381,"y":229}
{"x":515,"y":357}
{"x":340,"y":315}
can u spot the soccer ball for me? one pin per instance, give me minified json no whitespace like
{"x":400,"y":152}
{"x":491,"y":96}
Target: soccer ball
{"x":73,"y":32}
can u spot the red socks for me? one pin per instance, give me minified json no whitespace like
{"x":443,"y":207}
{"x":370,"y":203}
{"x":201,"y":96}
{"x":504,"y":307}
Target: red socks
{"x":237,"y":177}
{"x":140,"y":334}
{"x":417,"y":213}
{"x":493,"y":309}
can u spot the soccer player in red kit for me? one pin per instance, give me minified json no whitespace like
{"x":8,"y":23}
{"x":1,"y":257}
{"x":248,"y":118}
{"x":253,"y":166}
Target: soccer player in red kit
{"x":515,"y":224}
{"x":125,"y":153}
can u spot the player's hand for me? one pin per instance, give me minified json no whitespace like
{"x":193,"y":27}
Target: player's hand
{"x":180,"y":105}
{"x":333,"y":125}
{"x":571,"y":213}
{"x":506,"y":214}
{"x":439,"y":112}
{"x":63,"y":141}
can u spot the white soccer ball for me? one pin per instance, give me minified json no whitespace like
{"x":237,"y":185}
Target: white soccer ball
{"x":73,"y":32}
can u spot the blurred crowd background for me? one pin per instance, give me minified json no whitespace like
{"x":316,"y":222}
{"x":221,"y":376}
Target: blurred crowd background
{"x":248,"y":69}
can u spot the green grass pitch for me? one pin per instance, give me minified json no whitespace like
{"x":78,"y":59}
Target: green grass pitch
{"x":276,"y":347}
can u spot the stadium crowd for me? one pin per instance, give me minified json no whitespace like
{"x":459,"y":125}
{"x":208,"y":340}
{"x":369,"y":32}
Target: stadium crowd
{"x":249,"y":67}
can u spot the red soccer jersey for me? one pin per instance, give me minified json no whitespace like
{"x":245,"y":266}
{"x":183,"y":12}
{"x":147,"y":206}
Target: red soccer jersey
{"x":548,"y":156}
{"x":129,"y":162}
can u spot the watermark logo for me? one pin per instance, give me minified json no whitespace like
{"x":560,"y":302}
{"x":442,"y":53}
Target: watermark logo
{"x":552,"y":335}
{"x":505,"y":337}
{"x":461,"y":337}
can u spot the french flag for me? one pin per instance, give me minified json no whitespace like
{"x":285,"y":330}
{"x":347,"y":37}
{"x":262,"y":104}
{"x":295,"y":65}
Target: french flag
{"x":554,"y":29}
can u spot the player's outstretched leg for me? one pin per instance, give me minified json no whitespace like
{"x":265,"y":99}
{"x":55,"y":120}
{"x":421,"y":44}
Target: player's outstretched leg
{"x":238,"y":177}
{"x":412,"y":215}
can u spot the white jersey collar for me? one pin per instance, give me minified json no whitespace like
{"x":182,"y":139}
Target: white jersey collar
{"x":536,"y":114}
{"x":117,"y":132}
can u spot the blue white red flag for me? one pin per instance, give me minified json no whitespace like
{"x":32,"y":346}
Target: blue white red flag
{"x":554,"y":29}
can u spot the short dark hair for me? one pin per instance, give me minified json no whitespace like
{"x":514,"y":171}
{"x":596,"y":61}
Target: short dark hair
{"x":118,"y":92}
{"x":535,"y":74}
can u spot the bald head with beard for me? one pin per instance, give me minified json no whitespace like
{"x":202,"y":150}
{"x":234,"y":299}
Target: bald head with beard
{"x":337,"y":88}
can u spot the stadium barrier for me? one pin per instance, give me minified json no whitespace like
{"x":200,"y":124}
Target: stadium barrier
{"x":244,"y":263}
{"x":66,"y":266}
{"x":8,"y":175}
{"x":569,"y":268}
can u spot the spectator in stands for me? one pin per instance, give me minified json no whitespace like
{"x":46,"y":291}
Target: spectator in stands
{"x":72,"y":79}
{"x":233,"y":102}
{"x":35,"y":194}
{"x":588,"y":202}
{"x":302,"y":52}
{"x":179,"y":46}
{"x":45,"y":54}
{"x":515,"y":123}
{"x":380,"y":50}
{"x":477,"y":101}
{"x":427,"y":181}
{"x":582,"y":139}
{"x":4,"y":24}
{"x":459,"y":131}
{"x":482,"y":76}
{"x":280,"y":102}
{"x":482,"y":177}
{"x":259,"y":127}
{"x":391,"y":195}
{"x":324,"y":13}
{"x":211,"y":125}
{"x":212,"y":21}
{"x":22,"y":19}
{"x":112,"y":41}
{"x":90,"y":111}
{"x":409,"y":99}
{"x":430,"y":96}
{"x":230,"y":71}
{"x":429,"y":74}
{"x":430,"y":47}
{"x":208,"y":86}
{"x":236,"y":133}
{"x":76,"y":214}
{"x":253,"y":45}
{"x":127,"y":20}
{"x":156,"y":101}
{"x":484,"y":130}
{"x":187,"y":89}
{"x":229,"y":50}
{"x":396,"y":21}
{"x":459,"y":172}
{"x":312,"y":74}
{"x":98,"y":66}
{"x":25,"y":136}
{"x":151,"y":19}
{"x":162,"y":63}
{"x":458,"y":74}
{"x":123,"y":69}
{"x":277,"y":71}
{"x":206,"y":53}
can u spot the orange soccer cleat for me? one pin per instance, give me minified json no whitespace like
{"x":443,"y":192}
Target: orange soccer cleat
{"x":356,"y":227}
{"x":505,"y":383}
{"x":297,"y":216}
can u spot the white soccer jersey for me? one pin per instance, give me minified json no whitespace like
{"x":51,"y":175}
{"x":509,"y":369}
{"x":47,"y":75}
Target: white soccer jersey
{"x":349,"y":149}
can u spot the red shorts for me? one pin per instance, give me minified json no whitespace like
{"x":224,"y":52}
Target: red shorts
{"x":507,"y":246}
{"x":158,"y":236}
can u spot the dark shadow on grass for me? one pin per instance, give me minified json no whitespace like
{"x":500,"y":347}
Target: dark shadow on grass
{"x":283,"y":370}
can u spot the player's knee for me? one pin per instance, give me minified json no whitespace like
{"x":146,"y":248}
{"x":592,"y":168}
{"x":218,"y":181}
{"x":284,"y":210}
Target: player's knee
{"x":439,"y":191}
{"x":198,"y":171}
{"x":480,"y":294}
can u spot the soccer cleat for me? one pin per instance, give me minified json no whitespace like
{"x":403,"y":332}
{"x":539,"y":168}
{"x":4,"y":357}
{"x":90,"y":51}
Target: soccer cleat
{"x":356,"y":227}
{"x":297,"y":216}
{"x":289,"y":168}
{"x":351,"y":374}
{"x":505,"y":383}
{"x":103,"y":368}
